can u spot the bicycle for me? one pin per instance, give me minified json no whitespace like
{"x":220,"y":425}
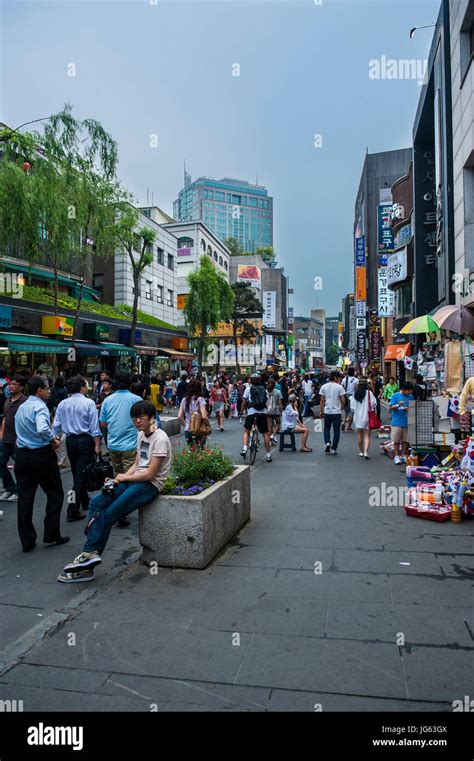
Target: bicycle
{"x":254,"y":443}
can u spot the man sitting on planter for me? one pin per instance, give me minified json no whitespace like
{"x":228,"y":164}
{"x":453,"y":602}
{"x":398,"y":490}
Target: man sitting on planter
{"x":141,"y":484}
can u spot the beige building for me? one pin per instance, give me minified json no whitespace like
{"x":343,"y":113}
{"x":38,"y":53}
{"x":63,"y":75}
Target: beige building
{"x":462,"y":83}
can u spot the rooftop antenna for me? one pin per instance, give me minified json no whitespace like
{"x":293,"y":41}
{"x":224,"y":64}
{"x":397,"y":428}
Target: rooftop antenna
{"x":152,"y":203}
{"x":147,"y":202}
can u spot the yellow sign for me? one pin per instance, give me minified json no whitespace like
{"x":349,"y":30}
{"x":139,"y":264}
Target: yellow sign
{"x":182,"y":300}
{"x":181,"y":344}
{"x":54,"y":325}
{"x":361,"y":284}
{"x":226,"y":329}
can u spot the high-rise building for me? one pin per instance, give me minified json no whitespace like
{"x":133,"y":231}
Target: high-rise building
{"x":230,"y":208}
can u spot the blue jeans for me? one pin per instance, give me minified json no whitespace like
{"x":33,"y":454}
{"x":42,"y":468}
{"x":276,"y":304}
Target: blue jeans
{"x":307,"y":409}
{"x":106,"y":509}
{"x":7,"y":451}
{"x":335,"y":421}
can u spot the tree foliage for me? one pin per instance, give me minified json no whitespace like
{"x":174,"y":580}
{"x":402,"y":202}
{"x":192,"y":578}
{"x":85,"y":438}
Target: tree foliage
{"x":246,"y":307}
{"x":210,"y":300}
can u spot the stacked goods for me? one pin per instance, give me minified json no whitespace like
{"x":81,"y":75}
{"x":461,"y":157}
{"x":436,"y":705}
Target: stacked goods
{"x":388,"y":449}
{"x":427,"y":501}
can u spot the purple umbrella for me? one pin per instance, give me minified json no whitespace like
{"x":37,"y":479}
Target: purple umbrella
{"x":461,"y":321}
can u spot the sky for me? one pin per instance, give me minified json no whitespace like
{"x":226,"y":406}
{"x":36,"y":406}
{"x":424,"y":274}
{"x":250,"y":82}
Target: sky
{"x":300,"y":115}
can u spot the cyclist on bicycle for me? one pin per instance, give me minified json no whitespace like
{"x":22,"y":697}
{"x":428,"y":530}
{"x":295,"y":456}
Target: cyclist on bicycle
{"x":255,"y":403}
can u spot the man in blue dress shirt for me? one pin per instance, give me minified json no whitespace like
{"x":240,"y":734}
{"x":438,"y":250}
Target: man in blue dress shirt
{"x":37,"y":465}
{"x":77,"y":417}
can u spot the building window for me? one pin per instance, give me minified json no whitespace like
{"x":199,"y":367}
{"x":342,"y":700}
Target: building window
{"x":98,"y":282}
{"x":209,"y":250}
{"x":169,"y":300}
{"x":221,"y":261}
{"x":186,"y":243}
{"x":215,"y":256}
{"x":160,"y":255}
{"x":218,"y":196}
{"x":236,"y":199}
{"x":466,"y":46}
{"x":170,"y":262}
{"x":159,"y":297}
{"x":226,"y":266}
{"x":403,"y":297}
{"x":148,"y":289}
{"x":203,"y":245}
{"x":252,"y":201}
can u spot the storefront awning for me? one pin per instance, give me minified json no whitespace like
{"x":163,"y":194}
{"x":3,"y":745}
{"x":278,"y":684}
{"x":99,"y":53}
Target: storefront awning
{"x":174,"y":354}
{"x":117,"y":350}
{"x":147,"y":351}
{"x":398,"y":351}
{"x":21,"y":342}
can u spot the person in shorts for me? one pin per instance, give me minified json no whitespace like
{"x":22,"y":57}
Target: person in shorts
{"x":255,"y":402}
{"x":399,"y":409}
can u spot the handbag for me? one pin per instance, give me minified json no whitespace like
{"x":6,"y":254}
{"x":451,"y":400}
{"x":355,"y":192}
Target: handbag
{"x":96,"y":473}
{"x":198,"y":426}
{"x":374,"y":421}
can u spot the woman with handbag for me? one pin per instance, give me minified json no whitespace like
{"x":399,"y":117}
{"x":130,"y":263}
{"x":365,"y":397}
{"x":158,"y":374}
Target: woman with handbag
{"x":364,"y":406}
{"x":191,"y":406}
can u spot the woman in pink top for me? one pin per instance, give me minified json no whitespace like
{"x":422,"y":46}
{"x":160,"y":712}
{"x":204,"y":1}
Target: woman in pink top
{"x":218,"y":400}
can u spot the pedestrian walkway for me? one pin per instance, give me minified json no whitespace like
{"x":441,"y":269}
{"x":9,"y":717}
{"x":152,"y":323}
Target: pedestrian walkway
{"x":320,"y":603}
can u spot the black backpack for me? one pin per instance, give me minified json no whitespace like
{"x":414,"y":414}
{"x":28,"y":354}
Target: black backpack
{"x":3,"y":398}
{"x":258,"y":397}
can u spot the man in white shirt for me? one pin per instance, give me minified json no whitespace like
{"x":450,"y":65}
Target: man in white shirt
{"x":349,"y":384}
{"x":332,"y":402}
{"x":307,"y":393}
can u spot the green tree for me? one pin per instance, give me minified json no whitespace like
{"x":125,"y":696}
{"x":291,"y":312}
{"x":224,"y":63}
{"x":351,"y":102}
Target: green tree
{"x":246,"y":306}
{"x":210,"y":300}
{"x":234,"y":247}
{"x":332,"y":355}
{"x":137,"y":244}
{"x":267,"y":253}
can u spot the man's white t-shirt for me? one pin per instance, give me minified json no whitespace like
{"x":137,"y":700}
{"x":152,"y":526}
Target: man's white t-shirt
{"x":349,"y":384}
{"x":307,"y":388}
{"x":156,"y":445}
{"x":332,"y":393}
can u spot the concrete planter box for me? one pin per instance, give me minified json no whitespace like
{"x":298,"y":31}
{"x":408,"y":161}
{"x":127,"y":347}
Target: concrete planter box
{"x":188,"y":532}
{"x":170,"y":425}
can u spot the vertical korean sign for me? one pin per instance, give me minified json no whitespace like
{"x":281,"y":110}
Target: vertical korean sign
{"x":384,"y":230}
{"x":386,"y":297}
{"x":360,"y":294}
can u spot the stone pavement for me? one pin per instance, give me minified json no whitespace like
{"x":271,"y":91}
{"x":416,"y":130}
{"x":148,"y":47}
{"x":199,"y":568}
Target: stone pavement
{"x":261,"y":629}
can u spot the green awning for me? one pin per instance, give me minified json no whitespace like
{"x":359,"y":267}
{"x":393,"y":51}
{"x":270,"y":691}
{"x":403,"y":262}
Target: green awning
{"x":33,"y":344}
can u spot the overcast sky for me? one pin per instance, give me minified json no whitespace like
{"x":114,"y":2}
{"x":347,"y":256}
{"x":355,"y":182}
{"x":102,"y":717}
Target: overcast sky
{"x":166,"y":67}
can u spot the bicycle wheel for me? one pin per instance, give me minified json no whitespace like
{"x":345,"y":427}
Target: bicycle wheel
{"x":253,"y":447}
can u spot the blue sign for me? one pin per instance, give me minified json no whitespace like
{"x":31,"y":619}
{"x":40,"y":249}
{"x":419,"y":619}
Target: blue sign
{"x":383,"y":261}
{"x":384,"y":232}
{"x":124,"y":336}
{"x":360,"y":252}
{"x":5,"y":317}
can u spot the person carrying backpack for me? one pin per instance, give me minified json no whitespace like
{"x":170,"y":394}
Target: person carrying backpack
{"x":255,"y":402}
{"x":349,"y":384}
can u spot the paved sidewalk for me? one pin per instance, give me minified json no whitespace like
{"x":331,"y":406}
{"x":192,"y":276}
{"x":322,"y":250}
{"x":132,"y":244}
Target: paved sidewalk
{"x":260,"y":629}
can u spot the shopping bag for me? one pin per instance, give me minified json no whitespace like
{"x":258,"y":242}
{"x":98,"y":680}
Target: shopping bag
{"x":374,"y":420}
{"x":198,"y":426}
{"x":96,"y":473}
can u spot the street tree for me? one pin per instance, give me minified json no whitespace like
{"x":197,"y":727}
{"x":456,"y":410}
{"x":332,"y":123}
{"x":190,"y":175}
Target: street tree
{"x":137,"y":244}
{"x":246,"y":307}
{"x":234,"y":247}
{"x":210,"y":300}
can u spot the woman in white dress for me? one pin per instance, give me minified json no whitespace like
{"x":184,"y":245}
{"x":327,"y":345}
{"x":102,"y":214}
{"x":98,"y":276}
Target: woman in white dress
{"x":360,"y":408}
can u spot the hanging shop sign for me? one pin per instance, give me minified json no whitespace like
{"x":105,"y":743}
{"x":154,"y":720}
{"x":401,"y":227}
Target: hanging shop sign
{"x":384,"y":229}
{"x":361,"y":283}
{"x":54,"y":325}
{"x":360,"y":251}
{"x":397,"y":267}
{"x":269,"y":309}
{"x":361,"y":323}
{"x":96,"y":331}
{"x":124,"y":336}
{"x":386,"y":297}
{"x":269,"y":345}
{"x":403,"y":236}
{"x":249,"y":273}
{"x":5,"y":317}
{"x":361,"y":308}
{"x":360,"y":346}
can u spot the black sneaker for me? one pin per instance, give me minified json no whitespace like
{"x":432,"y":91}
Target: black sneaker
{"x":327,"y":448}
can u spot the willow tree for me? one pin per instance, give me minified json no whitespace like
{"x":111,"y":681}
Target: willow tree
{"x":210,"y":301}
{"x":137,"y":245}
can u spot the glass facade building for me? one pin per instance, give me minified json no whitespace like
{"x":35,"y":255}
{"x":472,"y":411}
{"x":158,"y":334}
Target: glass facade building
{"x":231,"y":208}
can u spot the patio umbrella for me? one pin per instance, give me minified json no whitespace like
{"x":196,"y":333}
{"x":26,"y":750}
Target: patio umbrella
{"x":423,"y":324}
{"x":460,"y":321}
{"x":443,"y":312}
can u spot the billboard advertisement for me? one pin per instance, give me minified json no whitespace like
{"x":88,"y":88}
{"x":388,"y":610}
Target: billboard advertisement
{"x":249,"y":273}
{"x":361,"y":284}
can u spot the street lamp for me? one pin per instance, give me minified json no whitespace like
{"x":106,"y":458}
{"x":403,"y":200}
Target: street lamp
{"x":428,"y":26}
